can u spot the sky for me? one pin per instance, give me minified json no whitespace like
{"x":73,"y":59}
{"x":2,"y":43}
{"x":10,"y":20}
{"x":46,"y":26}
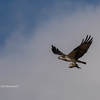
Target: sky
{"x":28,"y":28}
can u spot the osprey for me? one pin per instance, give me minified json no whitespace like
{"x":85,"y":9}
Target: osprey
{"x":76,"y":53}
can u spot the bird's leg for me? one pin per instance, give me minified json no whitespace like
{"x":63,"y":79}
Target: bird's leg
{"x":78,"y":67}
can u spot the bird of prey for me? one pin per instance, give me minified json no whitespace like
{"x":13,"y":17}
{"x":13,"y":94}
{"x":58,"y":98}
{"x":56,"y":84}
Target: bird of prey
{"x":77,"y":53}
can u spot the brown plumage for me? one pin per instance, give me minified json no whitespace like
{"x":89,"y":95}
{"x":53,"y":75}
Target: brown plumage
{"x":76,"y":53}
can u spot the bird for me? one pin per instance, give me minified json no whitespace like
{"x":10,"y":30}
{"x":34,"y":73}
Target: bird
{"x":76,"y":53}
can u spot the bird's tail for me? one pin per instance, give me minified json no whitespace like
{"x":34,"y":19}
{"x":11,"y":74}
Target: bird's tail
{"x":81,"y":62}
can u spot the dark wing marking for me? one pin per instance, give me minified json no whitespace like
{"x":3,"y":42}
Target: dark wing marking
{"x":82,"y":48}
{"x":56,"y":51}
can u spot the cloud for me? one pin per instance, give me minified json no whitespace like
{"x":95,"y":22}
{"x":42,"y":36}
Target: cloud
{"x":30,"y":63}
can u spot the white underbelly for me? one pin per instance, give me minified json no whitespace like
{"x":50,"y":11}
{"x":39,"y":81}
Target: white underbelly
{"x":68,"y":59}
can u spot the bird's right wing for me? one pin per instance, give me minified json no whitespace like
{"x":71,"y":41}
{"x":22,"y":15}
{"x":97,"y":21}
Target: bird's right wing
{"x":56,"y":51}
{"x":82,"y":48}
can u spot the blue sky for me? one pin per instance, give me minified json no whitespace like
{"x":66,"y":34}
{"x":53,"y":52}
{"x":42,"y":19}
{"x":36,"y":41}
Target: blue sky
{"x":28,"y":28}
{"x":28,"y":12}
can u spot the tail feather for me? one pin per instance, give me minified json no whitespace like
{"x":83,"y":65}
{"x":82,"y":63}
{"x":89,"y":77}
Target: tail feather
{"x":81,"y":62}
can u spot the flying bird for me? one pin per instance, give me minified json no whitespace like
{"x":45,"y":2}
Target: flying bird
{"x":77,"y":53}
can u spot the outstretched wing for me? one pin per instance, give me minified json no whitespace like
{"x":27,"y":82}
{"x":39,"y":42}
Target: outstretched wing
{"x":82,"y":48}
{"x":56,"y":51}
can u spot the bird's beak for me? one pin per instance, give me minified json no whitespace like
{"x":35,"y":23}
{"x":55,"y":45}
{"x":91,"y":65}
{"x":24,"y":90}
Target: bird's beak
{"x":59,"y":57}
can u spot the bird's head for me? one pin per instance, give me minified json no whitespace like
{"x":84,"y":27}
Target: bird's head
{"x":61,"y":57}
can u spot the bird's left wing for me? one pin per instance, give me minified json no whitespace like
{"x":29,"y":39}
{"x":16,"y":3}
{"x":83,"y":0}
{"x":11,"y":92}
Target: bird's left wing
{"x":82,"y":48}
{"x":56,"y":51}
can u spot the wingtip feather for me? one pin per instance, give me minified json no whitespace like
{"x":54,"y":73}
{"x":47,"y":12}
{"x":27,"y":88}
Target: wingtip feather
{"x":82,"y":41}
{"x":86,"y":38}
